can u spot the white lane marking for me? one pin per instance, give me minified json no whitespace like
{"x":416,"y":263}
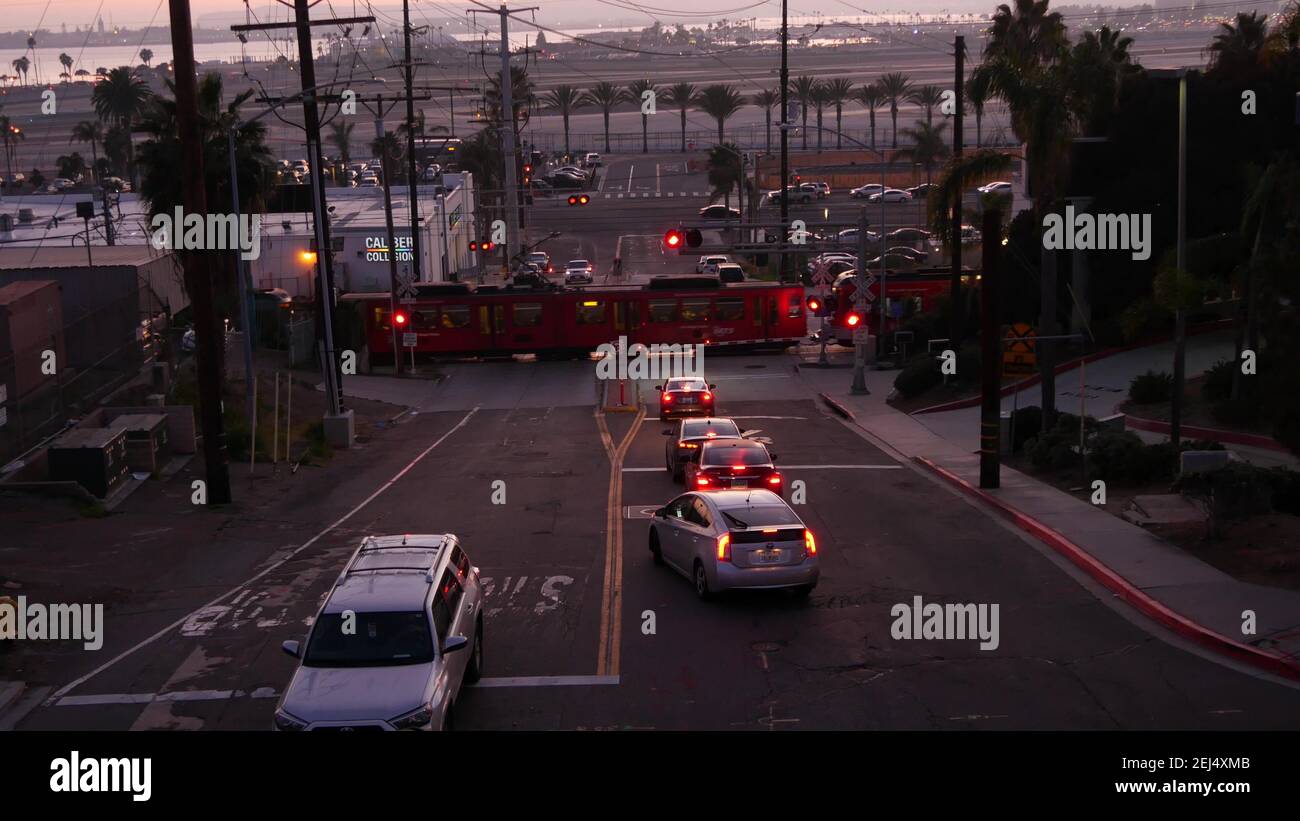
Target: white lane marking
{"x":795,"y":418}
{"x":657,"y":170}
{"x":754,"y":376}
{"x":65,"y":689}
{"x":631,"y":167}
{"x":789,"y":467}
{"x":99,"y":699}
{"x":545,"y":681}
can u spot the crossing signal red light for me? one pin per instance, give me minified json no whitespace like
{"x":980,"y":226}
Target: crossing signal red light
{"x":853,"y":319}
{"x":673,"y":239}
{"x":487,"y":246}
{"x":579,"y":199}
{"x":399,"y":318}
{"x":814,"y":304}
{"x":694,"y":239}
{"x":473,"y":245}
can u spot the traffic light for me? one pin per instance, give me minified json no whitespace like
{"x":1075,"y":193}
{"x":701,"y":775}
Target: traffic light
{"x":853,"y":319}
{"x":399,"y":318}
{"x":528,"y":173}
{"x":487,"y":246}
{"x":673,"y":240}
{"x":822,"y":306}
{"x":473,"y":245}
{"x":579,"y":199}
{"x":694,"y":239}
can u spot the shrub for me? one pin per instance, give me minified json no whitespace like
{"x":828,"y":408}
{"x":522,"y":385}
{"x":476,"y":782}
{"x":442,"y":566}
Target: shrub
{"x":1218,"y":381}
{"x":1151,"y":387}
{"x":1286,"y":429}
{"x":1236,"y":412}
{"x":1051,"y":452}
{"x":1026,"y":423}
{"x":1234,"y":491}
{"x":917,"y":377}
{"x":1202,"y":444}
{"x":1124,"y":457}
{"x":1144,"y":317}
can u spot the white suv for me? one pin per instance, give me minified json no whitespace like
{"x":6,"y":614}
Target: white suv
{"x":592,"y":160}
{"x":395,"y":639}
{"x":708,"y":264}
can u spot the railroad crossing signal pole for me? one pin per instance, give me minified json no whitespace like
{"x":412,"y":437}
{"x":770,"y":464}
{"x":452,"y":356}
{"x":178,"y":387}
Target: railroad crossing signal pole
{"x":861,"y":297}
{"x":990,"y":354}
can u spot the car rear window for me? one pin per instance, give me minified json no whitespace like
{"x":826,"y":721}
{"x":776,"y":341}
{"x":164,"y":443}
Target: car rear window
{"x":735,"y":455}
{"x":369,"y":640}
{"x":685,"y":385}
{"x":699,"y":427}
{"x":764,"y":515}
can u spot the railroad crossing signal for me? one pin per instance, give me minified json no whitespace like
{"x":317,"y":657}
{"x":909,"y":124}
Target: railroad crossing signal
{"x":579,"y":199}
{"x":862,"y":295}
{"x":673,"y":240}
{"x":1019,"y":351}
{"x":405,"y":287}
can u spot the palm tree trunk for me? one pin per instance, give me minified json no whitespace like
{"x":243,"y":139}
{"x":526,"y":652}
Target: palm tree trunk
{"x":720,"y":139}
{"x":768,"y":115}
{"x":683,"y":129}
{"x":805,"y":125}
{"x":566,"y":134}
{"x":839,"y":127}
{"x":645,"y":149}
{"x":873,"y":129}
{"x":979,"y":127}
{"x":819,"y":131}
{"x":94,"y":162}
{"x":607,"y":131}
{"x":893,"y":115}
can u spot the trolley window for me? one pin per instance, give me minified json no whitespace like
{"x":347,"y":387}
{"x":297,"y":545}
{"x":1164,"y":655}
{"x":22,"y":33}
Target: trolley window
{"x":695,"y":310}
{"x":663,"y":310}
{"x":730,"y":309}
{"x":591,"y":312}
{"x":527,"y":314}
{"x":455,"y":316}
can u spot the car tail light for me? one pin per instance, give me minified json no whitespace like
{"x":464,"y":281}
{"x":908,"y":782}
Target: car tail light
{"x":809,"y":543}
{"x":708,"y":397}
{"x":690,"y":445}
{"x":667,"y":398}
{"x":774,"y":479}
{"x":702,"y":480}
{"x":724,"y":547}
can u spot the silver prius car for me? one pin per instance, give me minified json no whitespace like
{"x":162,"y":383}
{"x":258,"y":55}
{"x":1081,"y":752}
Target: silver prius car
{"x":399,"y":632}
{"x":731,"y":539}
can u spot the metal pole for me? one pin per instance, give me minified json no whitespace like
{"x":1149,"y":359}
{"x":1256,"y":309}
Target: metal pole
{"x":252,"y":432}
{"x":385,"y":164}
{"x":859,"y":385}
{"x":990,"y":356}
{"x":511,"y":201}
{"x":275,"y":424}
{"x":786,"y":260}
{"x":241,"y":269}
{"x":410,"y":144}
{"x":1180,"y":317}
{"x":954,"y":286}
{"x":288,"y":413}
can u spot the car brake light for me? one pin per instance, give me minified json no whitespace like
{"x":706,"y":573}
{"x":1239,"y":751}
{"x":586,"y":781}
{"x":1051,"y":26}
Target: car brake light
{"x":809,"y":543}
{"x":708,"y":397}
{"x":702,"y":481}
{"x":689,"y":445}
{"x":724,"y":547}
{"x":774,"y":479}
{"x":668,"y":397}
{"x":737,"y":468}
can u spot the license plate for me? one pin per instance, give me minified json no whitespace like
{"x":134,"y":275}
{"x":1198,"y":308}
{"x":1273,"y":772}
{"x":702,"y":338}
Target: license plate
{"x":688,"y":400}
{"x":767,"y":556}
{"x":740,"y":483}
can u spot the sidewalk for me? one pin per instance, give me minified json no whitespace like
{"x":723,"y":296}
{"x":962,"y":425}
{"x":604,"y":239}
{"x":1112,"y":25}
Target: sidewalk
{"x":1176,"y":589}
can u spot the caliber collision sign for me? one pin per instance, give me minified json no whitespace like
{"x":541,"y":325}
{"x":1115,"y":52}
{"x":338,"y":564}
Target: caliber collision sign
{"x":409,"y":340}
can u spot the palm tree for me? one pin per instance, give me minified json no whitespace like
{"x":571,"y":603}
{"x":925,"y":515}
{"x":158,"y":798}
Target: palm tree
{"x":766,"y":99}
{"x":70,"y":165}
{"x":726,"y":172}
{"x":819,"y":101}
{"x":119,"y":99}
{"x":977,"y":94}
{"x":838,"y":92}
{"x":146,"y":56}
{"x":21,"y":65}
{"x":11,"y":135}
{"x":894,"y":88}
{"x":871,"y":98}
{"x":802,"y":89}
{"x":682,"y":96}
{"x":341,"y":136}
{"x":89,"y":131}
{"x":31,"y":46}
{"x":66,"y":61}
{"x":635,"y":95}
{"x":1237,"y":48}
{"x":976,"y":166}
{"x":604,"y":95}
{"x":564,"y":99}
{"x":927,"y":97}
{"x":720,"y":101}
{"x":1097,"y":66}
{"x":928,"y":145}
{"x":522,"y":96}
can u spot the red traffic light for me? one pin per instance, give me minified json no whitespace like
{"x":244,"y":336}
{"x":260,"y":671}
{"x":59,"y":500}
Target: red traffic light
{"x":673,"y":239}
{"x":487,"y":246}
{"x":528,"y":169}
{"x":814,"y":303}
{"x":399,"y":318}
{"x":853,"y":319}
{"x":473,"y":245}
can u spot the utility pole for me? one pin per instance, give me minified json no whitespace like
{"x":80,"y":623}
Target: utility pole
{"x":410,"y":143}
{"x":990,"y":354}
{"x":786,"y":261}
{"x":954,"y":286}
{"x":209,"y":345}
{"x":1180,"y":316}
{"x":386,"y":164}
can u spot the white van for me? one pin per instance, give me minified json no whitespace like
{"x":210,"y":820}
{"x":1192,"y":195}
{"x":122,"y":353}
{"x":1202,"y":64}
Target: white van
{"x":592,"y":160}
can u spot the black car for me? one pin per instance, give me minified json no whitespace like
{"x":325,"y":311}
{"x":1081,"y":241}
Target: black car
{"x":686,"y":438}
{"x":733,"y":464}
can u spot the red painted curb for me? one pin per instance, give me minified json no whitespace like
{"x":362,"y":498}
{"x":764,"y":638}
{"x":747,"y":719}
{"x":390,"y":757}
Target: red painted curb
{"x":1230,"y":437}
{"x":1121,"y":586}
{"x":838,"y":408}
{"x":1014,"y":387}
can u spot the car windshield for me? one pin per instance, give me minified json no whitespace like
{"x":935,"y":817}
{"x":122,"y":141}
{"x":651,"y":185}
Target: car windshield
{"x":735,"y":455}
{"x":701,"y":428}
{"x":685,"y":385}
{"x":369,"y":640}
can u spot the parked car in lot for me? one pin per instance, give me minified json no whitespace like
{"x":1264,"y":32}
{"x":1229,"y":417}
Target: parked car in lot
{"x":578,"y":272}
{"x":893,"y":262}
{"x":922,"y":190}
{"x":592,"y":160}
{"x":910,"y":253}
{"x":571,"y":170}
{"x":995,"y":188}
{"x":910,"y":235}
{"x":730,"y":272}
{"x":399,"y":633}
{"x":687,"y":437}
{"x":734,"y":539}
{"x":565,"y":180}
{"x":849,"y":236}
{"x":719,"y":213}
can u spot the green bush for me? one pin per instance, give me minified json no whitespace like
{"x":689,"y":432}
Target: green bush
{"x":1123,"y":457}
{"x":1151,"y":387}
{"x":917,"y":377}
{"x":1236,"y":412}
{"x":1052,"y":452}
{"x":1218,"y":381}
{"x":1202,"y":444}
{"x":1234,"y":491}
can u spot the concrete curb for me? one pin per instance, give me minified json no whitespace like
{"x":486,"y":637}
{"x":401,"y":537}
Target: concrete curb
{"x":1120,"y":586}
{"x":1069,"y":365}
{"x":1230,"y":437}
{"x":838,"y":408}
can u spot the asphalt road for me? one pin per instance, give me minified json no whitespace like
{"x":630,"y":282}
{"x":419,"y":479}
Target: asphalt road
{"x":570,"y":602}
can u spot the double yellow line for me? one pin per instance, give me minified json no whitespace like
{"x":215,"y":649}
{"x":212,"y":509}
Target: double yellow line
{"x":611,"y":601}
